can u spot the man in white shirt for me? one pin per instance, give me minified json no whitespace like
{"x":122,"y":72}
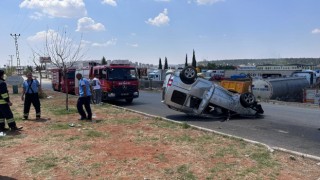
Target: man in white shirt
{"x":97,"y":89}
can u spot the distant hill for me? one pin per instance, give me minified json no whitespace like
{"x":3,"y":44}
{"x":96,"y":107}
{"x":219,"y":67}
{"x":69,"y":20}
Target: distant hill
{"x":280,"y":61}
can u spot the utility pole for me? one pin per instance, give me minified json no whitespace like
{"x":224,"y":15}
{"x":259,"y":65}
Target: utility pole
{"x":15,"y":37}
{"x":11,"y":60}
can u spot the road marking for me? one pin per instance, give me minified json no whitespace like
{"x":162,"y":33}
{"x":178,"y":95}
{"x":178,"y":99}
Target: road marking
{"x":281,"y":131}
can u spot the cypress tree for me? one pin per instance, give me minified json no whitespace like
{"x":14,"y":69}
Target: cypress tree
{"x":160,"y":64}
{"x":186,"y":63}
{"x":194,"y":62}
{"x":103,"y":61}
{"x":165,"y":63}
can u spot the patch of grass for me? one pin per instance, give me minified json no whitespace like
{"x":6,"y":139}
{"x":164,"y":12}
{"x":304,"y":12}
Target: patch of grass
{"x":164,"y":124}
{"x":72,"y":138}
{"x":221,"y":167}
{"x":67,"y":159}
{"x":17,"y":115}
{"x":79,"y":171}
{"x":146,"y":139}
{"x":168,"y":171}
{"x":184,"y":173}
{"x":93,"y":134}
{"x":207,"y":138}
{"x":263,"y":158}
{"x":247,"y":171}
{"x":140,"y":137}
{"x":126,"y":121}
{"x":161,"y":157}
{"x":185,"y":126}
{"x":18,"y":118}
{"x":242,"y":144}
{"x":229,"y":150}
{"x":6,"y":138}
{"x":7,"y":141}
{"x":184,"y":138}
{"x":58,"y":135}
{"x":96,"y":165}
{"x":59,"y":126}
{"x":42,"y":163}
{"x":111,"y":110}
{"x":182,"y":169}
{"x":85,"y":146}
{"x":62,"y":111}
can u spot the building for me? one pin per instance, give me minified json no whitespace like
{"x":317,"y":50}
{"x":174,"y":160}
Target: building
{"x":291,"y":67}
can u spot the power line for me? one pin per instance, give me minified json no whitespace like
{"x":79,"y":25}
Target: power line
{"x":11,"y":62}
{"x":15,"y":37}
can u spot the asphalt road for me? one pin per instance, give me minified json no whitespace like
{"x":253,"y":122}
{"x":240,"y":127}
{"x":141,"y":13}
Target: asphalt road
{"x":289,"y":127}
{"x":293,"y":128}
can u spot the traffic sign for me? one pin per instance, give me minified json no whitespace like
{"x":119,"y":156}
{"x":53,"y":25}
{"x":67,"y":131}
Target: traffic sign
{"x":14,"y":80}
{"x":45,"y":59}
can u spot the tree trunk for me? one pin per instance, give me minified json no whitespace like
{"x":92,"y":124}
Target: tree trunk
{"x":66,"y":88}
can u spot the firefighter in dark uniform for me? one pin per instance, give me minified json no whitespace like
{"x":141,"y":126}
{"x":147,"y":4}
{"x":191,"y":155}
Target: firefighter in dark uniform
{"x":5,"y":111}
{"x":31,"y":88}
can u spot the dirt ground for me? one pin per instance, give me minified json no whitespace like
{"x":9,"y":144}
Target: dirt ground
{"x":125,"y":145}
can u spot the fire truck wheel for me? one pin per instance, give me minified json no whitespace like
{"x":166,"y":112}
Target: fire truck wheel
{"x":129,"y":100}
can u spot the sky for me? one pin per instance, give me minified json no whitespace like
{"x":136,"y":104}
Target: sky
{"x":145,"y":30}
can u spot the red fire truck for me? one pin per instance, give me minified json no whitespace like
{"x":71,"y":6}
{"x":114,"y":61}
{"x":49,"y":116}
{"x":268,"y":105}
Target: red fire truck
{"x":58,"y":81}
{"x":118,"y":80}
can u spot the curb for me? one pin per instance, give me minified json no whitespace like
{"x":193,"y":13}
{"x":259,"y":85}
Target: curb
{"x":271,"y":149}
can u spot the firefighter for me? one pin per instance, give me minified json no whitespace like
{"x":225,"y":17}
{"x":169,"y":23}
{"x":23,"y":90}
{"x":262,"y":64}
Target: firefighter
{"x":5,"y":111}
{"x":31,"y":88}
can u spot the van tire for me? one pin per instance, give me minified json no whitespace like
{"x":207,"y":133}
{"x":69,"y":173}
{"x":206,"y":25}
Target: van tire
{"x":247,"y":99}
{"x":188,"y":75}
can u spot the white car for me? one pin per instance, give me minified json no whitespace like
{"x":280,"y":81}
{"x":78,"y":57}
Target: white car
{"x":197,"y":96}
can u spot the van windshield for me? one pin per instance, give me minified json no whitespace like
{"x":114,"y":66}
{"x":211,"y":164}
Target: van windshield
{"x":121,"y":74}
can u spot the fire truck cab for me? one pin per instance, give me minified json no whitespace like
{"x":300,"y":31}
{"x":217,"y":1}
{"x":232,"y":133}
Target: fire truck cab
{"x":119,"y":80}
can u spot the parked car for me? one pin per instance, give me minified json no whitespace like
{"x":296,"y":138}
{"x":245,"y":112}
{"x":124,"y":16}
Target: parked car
{"x":197,"y":96}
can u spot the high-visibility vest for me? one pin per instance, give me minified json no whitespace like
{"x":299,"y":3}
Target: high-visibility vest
{"x":3,"y":95}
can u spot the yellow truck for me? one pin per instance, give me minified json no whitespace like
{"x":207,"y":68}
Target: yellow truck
{"x":241,"y":84}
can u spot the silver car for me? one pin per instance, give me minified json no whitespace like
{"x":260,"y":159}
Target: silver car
{"x":184,"y":92}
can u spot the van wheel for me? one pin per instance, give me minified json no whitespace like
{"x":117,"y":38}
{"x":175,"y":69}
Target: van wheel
{"x":247,"y":99}
{"x":129,"y":100}
{"x":188,"y":75}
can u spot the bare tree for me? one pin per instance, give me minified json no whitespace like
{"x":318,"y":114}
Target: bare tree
{"x":37,"y":63}
{"x":64,"y":53}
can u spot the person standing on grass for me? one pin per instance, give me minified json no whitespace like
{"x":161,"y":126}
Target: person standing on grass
{"x":5,"y":103}
{"x":92,"y":100}
{"x":84,"y":98}
{"x":31,"y":89}
{"x":97,"y":89}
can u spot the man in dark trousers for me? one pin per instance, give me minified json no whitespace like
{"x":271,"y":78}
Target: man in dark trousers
{"x":84,"y":98}
{"x":31,"y":88}
{"x":5,"y":111}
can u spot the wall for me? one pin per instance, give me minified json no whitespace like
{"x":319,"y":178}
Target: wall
{"x":150,"y":84}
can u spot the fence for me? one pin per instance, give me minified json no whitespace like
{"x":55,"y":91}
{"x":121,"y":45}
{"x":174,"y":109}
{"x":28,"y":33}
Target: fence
{"x":150,"y":84}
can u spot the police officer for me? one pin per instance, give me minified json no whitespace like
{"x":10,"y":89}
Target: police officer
{"x":5,"y":111}
{"x":84,"y":98}
{"x":31,"y":87}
